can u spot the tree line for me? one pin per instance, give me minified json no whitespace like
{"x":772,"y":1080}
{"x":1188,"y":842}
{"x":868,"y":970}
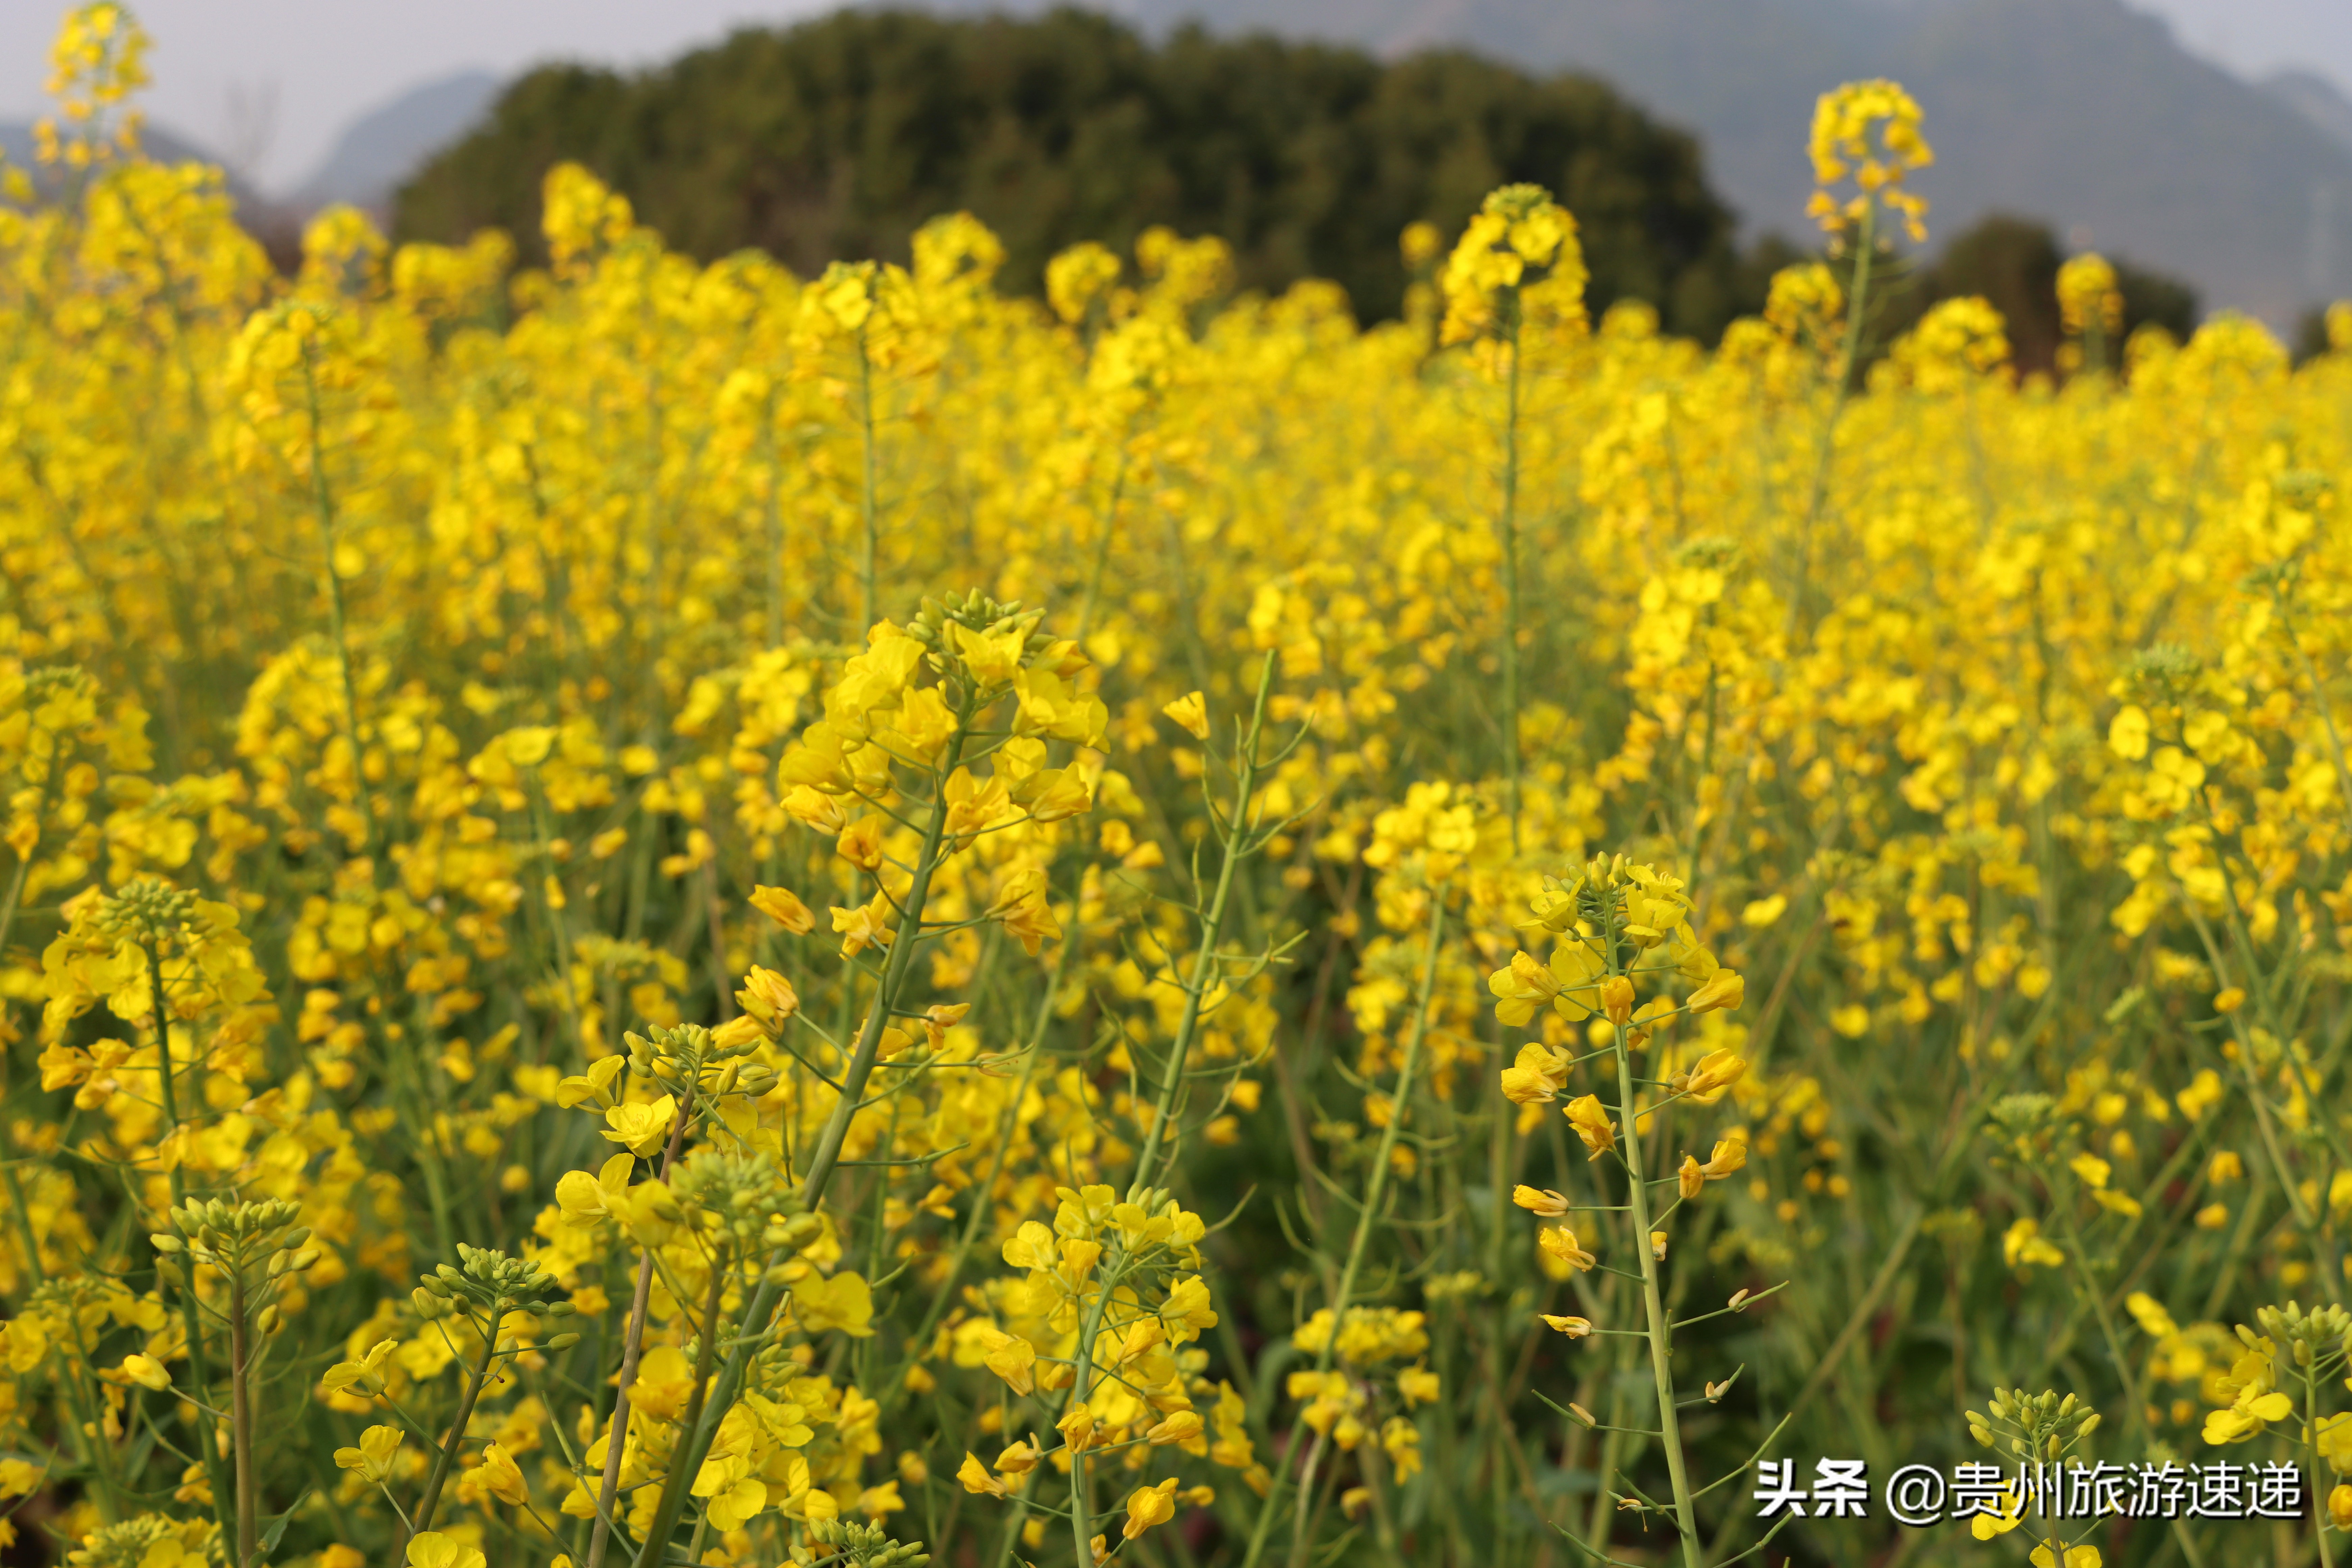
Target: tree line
{"x":840,"y":136}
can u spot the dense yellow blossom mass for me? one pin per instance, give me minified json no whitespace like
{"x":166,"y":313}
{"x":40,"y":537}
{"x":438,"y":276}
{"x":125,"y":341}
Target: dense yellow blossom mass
{"x":663,"y":912}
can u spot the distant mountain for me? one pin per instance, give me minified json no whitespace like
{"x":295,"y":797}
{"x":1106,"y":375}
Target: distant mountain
{"x":386,"y":145}
{"x":2084,"y":112}
{"x":2326,"y":256}
{"x":164,"y":146}
{"x":2317,"y":100}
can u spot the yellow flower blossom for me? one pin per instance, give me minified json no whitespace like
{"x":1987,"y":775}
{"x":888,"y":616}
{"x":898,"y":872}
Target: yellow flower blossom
{"x":1592,"y":1126}
{"x":641,"y":1128}
{"x":373,"y":1457}
{"x":1190,"y":713}
{"x":431,"y":1549}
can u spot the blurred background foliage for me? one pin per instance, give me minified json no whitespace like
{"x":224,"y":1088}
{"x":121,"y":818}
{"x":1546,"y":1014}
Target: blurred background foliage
{"x":837,"y":139}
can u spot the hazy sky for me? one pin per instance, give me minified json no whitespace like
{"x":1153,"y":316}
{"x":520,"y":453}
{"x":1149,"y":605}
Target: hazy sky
{"x":272,"y":82}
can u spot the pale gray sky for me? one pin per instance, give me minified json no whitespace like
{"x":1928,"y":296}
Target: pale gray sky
{"x":282,"y":78}
{"x":326,"y":62}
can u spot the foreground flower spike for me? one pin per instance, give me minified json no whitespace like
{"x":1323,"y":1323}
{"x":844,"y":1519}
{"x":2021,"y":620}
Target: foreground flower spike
{"x":1868,"y":132}
{"x":1611,"y":920}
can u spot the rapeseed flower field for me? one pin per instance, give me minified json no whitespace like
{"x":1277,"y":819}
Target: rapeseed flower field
{"x":666,"y":913}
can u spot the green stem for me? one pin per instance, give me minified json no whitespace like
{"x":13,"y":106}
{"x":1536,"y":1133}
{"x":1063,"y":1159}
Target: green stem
{"x":2318,"y":1475}
{"x":2097,"y":1297}
{"x":446,"y":1458}
{"x":1083,"y":1365}
{"x":1102,"y":551}
{"x":1848,"y":354}
{"x":1661,"y":1333}
{"x":1612,"y":1441}
{"x":616,"y":1434}
{"x":632,"y":1339}
{"x":1008,"y":1126}
{"x":240,"y":1367}
{"x":1305,"y":1518}
{"x":823,"y":1160}
{"x":2312,"y":1223}
{"x":216,"y":1474}
{"x":1375,"y":1187}
{"x":1236,"y":849}
{"x":708,"y":1348}
{"x":558,"y":926}
{"x":1019,"y":1517}
{"x":323,"y":502}
{"x":2080,"y":1258}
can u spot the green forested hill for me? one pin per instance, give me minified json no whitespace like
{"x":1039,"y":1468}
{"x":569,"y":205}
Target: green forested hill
{"x":839,"y":137}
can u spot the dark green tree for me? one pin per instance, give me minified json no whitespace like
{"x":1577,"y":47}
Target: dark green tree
{"x":839,"y":137}
{"x":2014,"y":262}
